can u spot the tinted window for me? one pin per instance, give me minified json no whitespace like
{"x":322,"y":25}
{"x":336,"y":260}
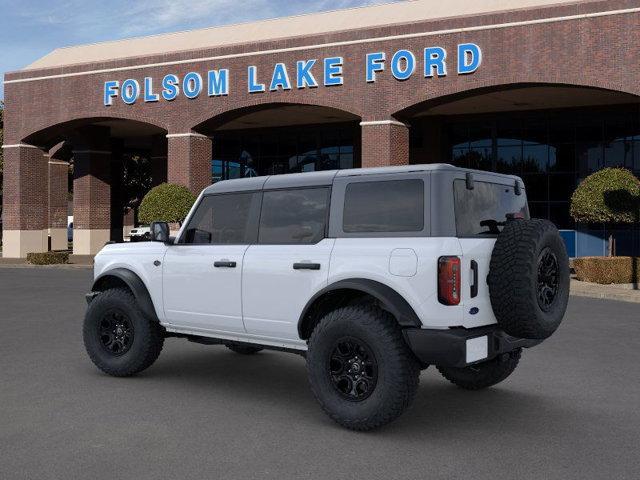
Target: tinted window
{"x":224,"y":219}
{"x":294,"y":216}
{"x":483,"y":210}
{"x":390,"y":206}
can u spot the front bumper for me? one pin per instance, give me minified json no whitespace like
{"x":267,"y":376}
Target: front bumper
{"x":460,"y":347}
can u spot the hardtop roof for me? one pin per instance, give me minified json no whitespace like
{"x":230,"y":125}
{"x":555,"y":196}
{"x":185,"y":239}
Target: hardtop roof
{"x":326,"y":178}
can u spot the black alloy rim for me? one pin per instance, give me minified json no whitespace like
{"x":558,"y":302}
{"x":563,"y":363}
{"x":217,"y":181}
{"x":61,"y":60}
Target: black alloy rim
{"x":547,"y":279}
{"x":353,"y":369}
{"x":116,"y":333}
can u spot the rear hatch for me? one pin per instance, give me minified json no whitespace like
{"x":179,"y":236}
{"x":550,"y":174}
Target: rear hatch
{"x":482,"y":208}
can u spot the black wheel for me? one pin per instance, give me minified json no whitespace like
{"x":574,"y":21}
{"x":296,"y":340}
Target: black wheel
{"x":529,"y":278}
{"x":483,"y":375}
{"x":119,"y":339}
{"x":243,"y":349}
{"x":360,"y":369}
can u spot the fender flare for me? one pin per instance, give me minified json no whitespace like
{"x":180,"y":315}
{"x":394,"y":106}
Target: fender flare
{"x":135,"y":284}
{"x":389,"y":299}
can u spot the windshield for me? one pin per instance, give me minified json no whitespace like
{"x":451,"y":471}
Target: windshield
{"x":483,"y":211}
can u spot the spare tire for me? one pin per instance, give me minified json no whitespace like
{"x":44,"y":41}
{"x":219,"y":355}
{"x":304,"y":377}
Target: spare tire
{"x":529,"y":278}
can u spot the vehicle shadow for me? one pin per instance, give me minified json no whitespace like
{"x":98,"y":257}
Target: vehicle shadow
{"x":280,"y":380}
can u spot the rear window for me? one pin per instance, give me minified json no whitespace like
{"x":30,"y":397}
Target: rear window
{"x":483,"y":211}
{"x":386,"y":206}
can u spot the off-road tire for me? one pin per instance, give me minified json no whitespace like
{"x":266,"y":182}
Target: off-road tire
{"x":514,"y":278}
{"x":398,"y":370}
{"x":148,"y":335}
{"x":483,"y":375}
{"x":243,"y":349}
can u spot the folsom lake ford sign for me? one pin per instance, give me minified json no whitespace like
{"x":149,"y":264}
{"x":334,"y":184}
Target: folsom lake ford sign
{"x":309,"y":73}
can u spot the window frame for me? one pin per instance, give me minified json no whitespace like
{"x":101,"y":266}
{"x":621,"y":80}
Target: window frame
{"x":325,"y":232}
{"x":336,"y":225}
{"x":254,"y":219}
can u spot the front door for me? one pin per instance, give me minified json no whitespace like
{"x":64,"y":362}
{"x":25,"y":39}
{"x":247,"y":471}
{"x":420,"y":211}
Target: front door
{"x":289,"y":263}
{"x":202,"y":273}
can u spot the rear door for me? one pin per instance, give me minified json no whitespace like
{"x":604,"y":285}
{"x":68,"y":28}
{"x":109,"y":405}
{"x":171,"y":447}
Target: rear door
{"x":289,"y":263}
{"x":202,"y":274}
{"x":481,"y":212}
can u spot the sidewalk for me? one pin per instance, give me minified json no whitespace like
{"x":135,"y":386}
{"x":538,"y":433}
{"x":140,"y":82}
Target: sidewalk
{"x":622,"y":292}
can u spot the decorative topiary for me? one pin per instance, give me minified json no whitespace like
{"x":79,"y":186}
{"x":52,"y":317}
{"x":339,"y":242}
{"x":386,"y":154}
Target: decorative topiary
{"x":611,"y":195}
{"x":167,"y":203}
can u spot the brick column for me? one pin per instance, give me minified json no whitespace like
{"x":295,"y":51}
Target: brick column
{"x":25,"y":211}
{"x":158,"y":160}
{"x":91,"y":200}
{"x":58,"y":191}
{"x":384,"y":143}
{"x":189,"y":160}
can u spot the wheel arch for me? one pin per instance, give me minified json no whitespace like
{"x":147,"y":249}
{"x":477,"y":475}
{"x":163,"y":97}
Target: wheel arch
{"x":122,"y":277}
{"x":346,"y":291}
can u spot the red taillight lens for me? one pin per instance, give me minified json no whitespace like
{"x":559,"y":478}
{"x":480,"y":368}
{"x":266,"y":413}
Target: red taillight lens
{"x":449,"y":280}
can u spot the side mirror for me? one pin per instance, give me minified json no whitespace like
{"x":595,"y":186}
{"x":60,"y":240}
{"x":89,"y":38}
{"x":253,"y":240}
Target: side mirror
{"x":159,"y":232}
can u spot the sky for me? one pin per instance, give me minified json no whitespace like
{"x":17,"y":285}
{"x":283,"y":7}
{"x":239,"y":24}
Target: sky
{"x":29,"y":29}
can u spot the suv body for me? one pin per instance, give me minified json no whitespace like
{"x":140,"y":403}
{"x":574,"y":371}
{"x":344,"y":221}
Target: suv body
{"x":260,"y":261}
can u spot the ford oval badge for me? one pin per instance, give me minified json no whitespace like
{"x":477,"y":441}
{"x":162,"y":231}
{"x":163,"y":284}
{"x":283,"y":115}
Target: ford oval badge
{"x":474,"y":310}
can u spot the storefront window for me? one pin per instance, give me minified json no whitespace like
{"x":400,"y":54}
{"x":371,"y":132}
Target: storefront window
{"x":275,"y":151}
{"x":551,"y":150}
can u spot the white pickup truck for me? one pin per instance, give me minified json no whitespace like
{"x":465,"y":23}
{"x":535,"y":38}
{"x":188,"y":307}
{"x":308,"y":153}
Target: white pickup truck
{"x":371,"y":274}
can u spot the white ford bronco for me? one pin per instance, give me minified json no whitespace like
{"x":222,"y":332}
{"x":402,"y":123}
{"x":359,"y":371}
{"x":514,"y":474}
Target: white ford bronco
{"x":371,"y":274}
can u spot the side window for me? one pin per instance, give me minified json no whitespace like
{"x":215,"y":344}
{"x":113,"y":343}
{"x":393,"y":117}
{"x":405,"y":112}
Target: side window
{"x":294,"y":216}
{"x":224,"y":219}
{"x":384,"y":206}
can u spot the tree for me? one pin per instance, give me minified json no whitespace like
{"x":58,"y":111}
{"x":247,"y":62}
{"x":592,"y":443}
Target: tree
{"x":611,"y":195}
{"x":166,"y":202}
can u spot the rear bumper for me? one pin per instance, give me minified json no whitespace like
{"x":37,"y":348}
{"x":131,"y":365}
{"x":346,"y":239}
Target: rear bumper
{"x":460,"y":347}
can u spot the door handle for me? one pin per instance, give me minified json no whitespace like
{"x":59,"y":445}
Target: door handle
{"x":224,"y":264}
{"x":306,"y":266}
{"x":474,"y":271}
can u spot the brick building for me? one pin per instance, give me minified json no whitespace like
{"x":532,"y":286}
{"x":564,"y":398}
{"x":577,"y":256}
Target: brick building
{"x":546,"y":89}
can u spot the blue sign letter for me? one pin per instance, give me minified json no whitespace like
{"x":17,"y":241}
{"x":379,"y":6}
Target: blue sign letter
{"x":110,"y":91}
{"x":469,"y":58}
{"x":149,"y":96}
{"x":434,"y":57}
{"x":130,"y":91}
{"x":170,"y":86}
{"x":253,"y":86}
{"x":192,"y":84}
{"x":304,"y":77}
{"x":333,"y":71}
{"x":218,"y":82}
{"x":398,"y":70}
{"x":280,"y":78}
{"x":375,"y":63}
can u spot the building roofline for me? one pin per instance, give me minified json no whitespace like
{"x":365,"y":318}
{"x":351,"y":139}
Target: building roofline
{"x":281,"y":28}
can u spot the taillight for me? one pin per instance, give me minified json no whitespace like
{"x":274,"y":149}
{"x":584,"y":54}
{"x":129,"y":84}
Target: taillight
{"x":449,"y":280}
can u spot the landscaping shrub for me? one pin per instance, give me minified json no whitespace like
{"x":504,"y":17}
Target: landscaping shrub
{"x":606,"y":270}
{"x":167,"y":203}
{"x":48,"y":258}
{"x":611,"y":195}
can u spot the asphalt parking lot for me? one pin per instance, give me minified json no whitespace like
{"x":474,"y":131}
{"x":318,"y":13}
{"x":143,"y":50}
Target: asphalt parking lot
{"x":569,"y":411}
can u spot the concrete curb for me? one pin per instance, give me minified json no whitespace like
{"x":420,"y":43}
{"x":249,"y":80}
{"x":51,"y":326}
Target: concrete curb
{"x":63,"y":266}
{"x":622,"y":293}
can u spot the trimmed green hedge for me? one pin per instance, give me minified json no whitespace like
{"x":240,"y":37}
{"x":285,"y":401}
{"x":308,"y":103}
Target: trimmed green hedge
{"x":167,"y":203}
{"x":48,"y":258}
{"x":611,"y":195}
{"x":607,"y":270}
